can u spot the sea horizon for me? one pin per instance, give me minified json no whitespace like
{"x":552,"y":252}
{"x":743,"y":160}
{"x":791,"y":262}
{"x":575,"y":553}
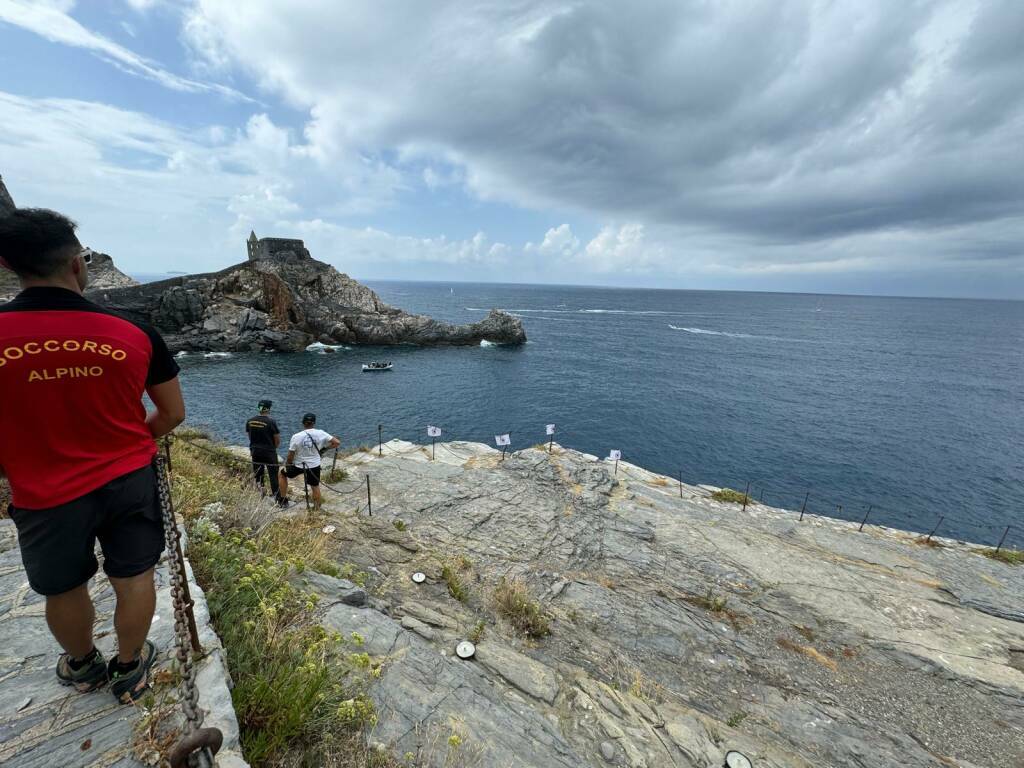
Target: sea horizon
{"x":152,"y":277}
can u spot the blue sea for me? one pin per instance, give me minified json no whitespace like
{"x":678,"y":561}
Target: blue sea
{"x":910,"y":408}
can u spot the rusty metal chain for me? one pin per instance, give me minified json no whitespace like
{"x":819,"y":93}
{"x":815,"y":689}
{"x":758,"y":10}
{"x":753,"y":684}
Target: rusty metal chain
{"x":198,"y":745}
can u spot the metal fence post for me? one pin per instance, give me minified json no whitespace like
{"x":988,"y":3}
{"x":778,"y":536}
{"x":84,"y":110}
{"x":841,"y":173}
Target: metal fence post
{"x":1003,"y":540}
{"x":936,"y":528}
{"x":746,"y":496}
{"x":380,"y":439}
{"x":680,"y":483}
{"x":865,"y":518}
{"x":804,"y":507}
{"x":369,"y":496}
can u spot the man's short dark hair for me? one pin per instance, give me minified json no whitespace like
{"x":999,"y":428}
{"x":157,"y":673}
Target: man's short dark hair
{"x":35,"y":241}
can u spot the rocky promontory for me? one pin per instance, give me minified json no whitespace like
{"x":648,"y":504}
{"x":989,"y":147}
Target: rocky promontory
{"x":285,"y":300}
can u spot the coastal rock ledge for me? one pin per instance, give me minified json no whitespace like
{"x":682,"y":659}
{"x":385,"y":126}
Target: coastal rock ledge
{"x":284,"y":300}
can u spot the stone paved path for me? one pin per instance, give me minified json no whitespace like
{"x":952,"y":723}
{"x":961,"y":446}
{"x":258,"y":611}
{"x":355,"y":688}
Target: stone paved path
{"x":44,"y":725}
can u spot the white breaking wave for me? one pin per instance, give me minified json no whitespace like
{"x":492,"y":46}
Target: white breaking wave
{"x":325,"y":349}
{"x":182,"y":354}
{"x":486,"y":343}
{"x":217,"y":355}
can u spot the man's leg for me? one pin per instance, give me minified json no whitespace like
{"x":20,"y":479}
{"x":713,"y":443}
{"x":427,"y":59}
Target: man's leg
{"x":283,"y":478}
{"x":71,"y":617}
{"x":136,"y":603}
{"x":274,"y":472}
{"x":317,"y":498}
{"x":258,"y":468}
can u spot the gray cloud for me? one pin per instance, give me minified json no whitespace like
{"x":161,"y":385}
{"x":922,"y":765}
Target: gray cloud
{"x":783,"y":121}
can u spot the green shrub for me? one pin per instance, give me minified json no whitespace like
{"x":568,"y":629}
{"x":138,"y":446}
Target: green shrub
{"x":289,"y":673}
{"x":710,"y":602}
{"x":299,"y":696}
{"x":456,"y":587}
{"x":729,"y":495}
{"x":1008,"y":556}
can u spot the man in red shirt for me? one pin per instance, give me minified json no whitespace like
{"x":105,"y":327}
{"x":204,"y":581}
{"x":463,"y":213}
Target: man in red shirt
{"x":78,"y":447}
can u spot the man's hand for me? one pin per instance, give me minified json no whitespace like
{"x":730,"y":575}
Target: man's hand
{"x":335,"y":443}
{"x":170,"y":408}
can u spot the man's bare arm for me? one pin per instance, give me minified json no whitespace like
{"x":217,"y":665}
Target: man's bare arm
{"x":277,"y":440}
{"x":290,"y":461}
{"x":170,"y":407}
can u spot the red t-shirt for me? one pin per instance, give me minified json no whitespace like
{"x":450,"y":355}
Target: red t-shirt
{"x":72,"y":375}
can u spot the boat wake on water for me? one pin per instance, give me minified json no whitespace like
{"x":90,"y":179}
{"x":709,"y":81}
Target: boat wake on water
{"x":633,"y":312}
{"x":732,"y":335}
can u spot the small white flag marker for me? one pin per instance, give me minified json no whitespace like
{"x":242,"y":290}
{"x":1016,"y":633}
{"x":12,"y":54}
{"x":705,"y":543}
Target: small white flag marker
{"x":615,"y":456}
{"x":433,"y":431}
{"x":503,"y":440}
{"x":551,"y":429}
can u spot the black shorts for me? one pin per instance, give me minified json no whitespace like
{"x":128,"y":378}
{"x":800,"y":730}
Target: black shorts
{"x":58,"y":545}
{"x":312,"y":474}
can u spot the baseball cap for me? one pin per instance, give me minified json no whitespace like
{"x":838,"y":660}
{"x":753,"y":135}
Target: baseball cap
{"x":266,"y":405}
{"x":309,"y":418}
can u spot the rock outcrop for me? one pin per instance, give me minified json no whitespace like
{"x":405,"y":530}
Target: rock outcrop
{"x":103,"y":276}
{"x":681,"y":627}
{"x":6,"y":202}
{"x":285,"y":303}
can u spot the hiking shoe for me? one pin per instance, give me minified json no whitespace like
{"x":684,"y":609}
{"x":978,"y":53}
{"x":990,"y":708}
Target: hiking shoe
{"x":90,"y":677}
{"x":132,"y":685}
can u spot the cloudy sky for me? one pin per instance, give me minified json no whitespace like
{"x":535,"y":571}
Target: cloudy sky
{"x":863,"y":146}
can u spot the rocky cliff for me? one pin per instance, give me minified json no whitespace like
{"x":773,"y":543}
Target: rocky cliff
{"x":678,"y":627}
{"x":103,"y":276}
{"x":286,"y":303}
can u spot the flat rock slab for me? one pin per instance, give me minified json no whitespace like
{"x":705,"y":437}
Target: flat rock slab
{"x":44,"y":725}
{"x":681,"y":627}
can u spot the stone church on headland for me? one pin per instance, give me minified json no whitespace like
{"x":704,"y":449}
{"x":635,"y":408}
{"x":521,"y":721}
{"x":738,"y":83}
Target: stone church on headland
{"x":270,"y":248}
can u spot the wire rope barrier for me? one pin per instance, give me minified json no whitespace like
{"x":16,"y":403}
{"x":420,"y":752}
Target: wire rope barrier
{"x":788,"y":494}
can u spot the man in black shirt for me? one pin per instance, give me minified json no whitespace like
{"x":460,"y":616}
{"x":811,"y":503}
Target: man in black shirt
{"x":264,"y":438}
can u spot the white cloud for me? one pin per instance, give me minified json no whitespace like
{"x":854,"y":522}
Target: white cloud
{"x":625,"y":249}
{"x":559,"y":242}
{"x":157,"y":197}
{"x":361,"y":248}
{"x":52,"y":21}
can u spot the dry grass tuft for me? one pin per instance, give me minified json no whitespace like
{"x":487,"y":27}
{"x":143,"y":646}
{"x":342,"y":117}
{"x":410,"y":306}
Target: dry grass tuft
{"x":811,"y":653}
{"x":807,"y":633}
{"x":514,"y":601}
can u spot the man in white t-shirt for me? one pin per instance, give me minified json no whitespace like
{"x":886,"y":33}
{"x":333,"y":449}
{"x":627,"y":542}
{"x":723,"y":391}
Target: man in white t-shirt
{"x":304,"y":457}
